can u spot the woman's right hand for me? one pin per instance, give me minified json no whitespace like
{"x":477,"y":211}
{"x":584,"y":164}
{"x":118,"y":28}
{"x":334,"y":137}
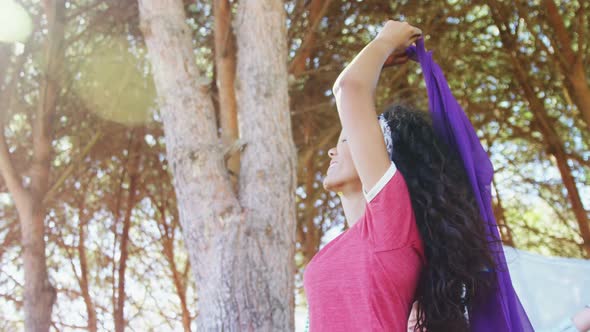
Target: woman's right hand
{"x":399,"y":35}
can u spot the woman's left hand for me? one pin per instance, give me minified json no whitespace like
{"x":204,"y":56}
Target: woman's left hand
{"x":396,"y":59}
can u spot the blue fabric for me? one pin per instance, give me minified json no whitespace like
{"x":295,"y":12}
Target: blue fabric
{"x":502,"y":311}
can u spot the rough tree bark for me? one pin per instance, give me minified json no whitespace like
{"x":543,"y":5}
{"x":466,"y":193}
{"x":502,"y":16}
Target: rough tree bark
{"x":241,"y":249}
{"x":268,"y":169}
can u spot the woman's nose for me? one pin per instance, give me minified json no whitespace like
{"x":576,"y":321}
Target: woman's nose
{"x":331,"y":152}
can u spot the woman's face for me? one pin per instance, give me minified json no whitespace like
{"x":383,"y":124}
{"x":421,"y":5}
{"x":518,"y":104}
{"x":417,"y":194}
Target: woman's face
{"x":342,"y":170}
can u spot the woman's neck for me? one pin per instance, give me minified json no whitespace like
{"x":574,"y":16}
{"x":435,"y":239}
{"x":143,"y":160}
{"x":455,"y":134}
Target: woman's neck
{"x":353,"y":204}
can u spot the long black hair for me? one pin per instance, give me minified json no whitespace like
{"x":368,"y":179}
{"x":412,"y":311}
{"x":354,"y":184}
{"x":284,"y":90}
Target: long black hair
{"x":449,"y":221}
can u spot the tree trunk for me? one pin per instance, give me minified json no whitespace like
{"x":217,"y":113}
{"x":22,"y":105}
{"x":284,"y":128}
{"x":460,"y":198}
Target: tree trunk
{"x":134,"y":150}
{"x":84,"y":272}
{"x":39,"y":294}
{"x":268,"y":170}
{"x":83,"y":278}
{"x":241,"y":252}
{"x":177,"y":276}
{"x":577,"y":85}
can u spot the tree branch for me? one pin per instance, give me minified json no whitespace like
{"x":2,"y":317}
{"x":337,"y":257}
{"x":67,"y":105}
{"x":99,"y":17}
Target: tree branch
{"x":563,"y":39}
{"x":62,"y":178}
{"x":316,"y":15}
{"x":8,"y":171}
{"x":582,"y":41}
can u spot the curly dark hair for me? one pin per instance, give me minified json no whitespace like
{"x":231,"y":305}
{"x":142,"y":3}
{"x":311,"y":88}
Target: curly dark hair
{"x":449,"y":221}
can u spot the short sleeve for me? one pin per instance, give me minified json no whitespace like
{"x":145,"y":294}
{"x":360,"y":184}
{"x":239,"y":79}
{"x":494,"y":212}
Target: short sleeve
{"x":390,"y":222}
{"x":381,"y":183}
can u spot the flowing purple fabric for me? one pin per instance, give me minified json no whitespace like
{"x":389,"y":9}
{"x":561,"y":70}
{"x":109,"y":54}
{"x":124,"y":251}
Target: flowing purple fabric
{"x":501,"y":311}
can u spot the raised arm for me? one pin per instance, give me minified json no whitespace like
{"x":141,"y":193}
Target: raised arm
{"x":354,"y":91}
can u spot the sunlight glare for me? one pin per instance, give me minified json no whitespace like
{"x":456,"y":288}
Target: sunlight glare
{"x":16,"y":23}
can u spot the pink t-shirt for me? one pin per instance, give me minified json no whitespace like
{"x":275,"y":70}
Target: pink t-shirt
{"x":365,"y":278}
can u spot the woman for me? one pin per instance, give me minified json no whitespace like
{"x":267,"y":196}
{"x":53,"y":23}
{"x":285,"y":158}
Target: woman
{"x":415,"y":234}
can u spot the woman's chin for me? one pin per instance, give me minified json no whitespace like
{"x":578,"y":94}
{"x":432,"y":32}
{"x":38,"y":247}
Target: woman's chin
{"x":329,"y":184}
{"x":326,"y":184}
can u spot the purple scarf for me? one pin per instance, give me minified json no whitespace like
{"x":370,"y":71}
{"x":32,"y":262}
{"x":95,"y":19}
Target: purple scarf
{"x":502,"y":311}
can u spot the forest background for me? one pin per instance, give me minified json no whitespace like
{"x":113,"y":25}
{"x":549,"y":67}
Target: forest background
{"x":125,"y":124}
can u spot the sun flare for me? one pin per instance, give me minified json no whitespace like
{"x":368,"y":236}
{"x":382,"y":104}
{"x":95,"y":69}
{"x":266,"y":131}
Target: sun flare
{"x":16,"y":22}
